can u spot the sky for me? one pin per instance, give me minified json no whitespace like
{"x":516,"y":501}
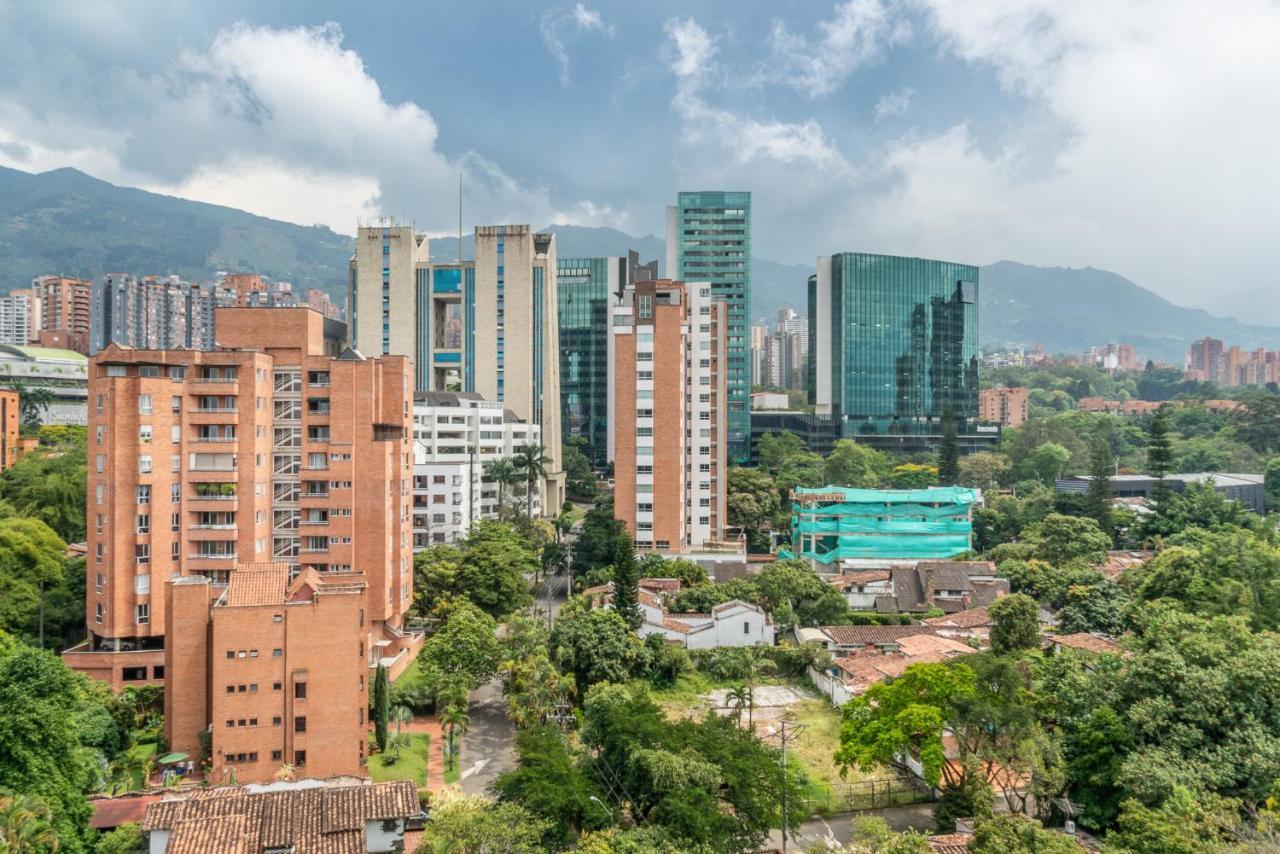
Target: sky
{"x":1138,"y":136}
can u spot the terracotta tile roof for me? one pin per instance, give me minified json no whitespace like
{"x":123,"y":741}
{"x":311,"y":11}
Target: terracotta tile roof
{"x":866,"y":576}
{"x":257,"y":584}
{"x":1118,"y":563}
{"x":867,"y":667}
{"x":1087,"y":642}
{"x":662,"y":585}
{"x":676,"y":625}
{"x":951,"y":843}
{"x":320,"y":820}
{"x":874,"y":634}
{"x":970,"y":619}
{"x":113,"y":812}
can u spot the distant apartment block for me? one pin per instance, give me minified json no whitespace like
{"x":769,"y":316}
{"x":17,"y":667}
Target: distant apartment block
{"x":277,"y":447}
{"x":668,"y":442}
{"x":487,"y":326}
{"x":64,"y":310}
{"x":151,"y":313}
{"x":19,"y":317}
{"x":1112,"y":358}
{"x":455,"y":436}
{"x":10,"y":423}
{"x":1005,"y":406}
{"x":1117,"y":407}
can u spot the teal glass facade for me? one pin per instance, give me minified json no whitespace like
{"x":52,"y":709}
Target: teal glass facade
{"x":904,"y":344}
{"x":583,"y":315}
{"x":713,"y":244}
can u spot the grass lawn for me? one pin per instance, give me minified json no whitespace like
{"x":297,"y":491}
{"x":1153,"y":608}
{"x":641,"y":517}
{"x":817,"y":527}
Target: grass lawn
{"x":412,"y":764}
{"x":452,"y":776}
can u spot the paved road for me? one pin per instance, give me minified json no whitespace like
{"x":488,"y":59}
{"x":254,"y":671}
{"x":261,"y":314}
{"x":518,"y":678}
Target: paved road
{"x":840,"y":828}
{"x":490,"y":741}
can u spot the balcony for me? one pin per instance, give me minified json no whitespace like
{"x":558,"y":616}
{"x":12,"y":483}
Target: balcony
{"x":224,"y":557}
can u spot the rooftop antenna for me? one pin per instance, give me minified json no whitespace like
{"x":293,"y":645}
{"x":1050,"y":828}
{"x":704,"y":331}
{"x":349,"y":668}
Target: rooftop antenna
{"x":459,"y":218}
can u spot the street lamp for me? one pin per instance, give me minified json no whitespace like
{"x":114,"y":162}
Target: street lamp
{"x":603,"y":806}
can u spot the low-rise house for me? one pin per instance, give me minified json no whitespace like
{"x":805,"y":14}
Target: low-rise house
{"x":732,"y":623}
{"x":862,"y":589}
{"x":850,"y":639}
{"x":949,"y":585}
{"x":884,"y":657}
{"x":973,"y":623}
{"x":308,"y":817}
{"x":1094,"y":644}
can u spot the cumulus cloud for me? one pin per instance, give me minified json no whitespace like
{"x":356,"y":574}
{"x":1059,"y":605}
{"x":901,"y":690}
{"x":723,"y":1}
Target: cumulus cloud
{"x":558,"y":24}
{"x":283,"y":122}
{"x":691,"y":59}
{"x":858,"y":33}
{"x":894,"y":103}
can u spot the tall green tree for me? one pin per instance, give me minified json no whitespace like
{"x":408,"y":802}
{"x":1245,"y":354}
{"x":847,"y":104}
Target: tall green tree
{"x":26,"y":825}
{"x":381,"y":707}
{"x":549,"y":782}
{"x":477,"y":825}
{"x":857,"y":465}
{"x":1048,"y":461}
{"x":1014,"y":623}
{"x":593,"y":548}
{"x":1160,"y":458}
{"x":775,"y":448}
{"x":594,"y":645}
{"x":626,"y":589}
{"x":949,"y":451}
{"x":464,"y":651}
{"x":1102,"y":465}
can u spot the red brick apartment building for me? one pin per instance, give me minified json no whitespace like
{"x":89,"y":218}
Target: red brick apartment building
{"x":668,"y":441}
{"x":1002,"y":405}
{"x":275,"y":448}
{"x":64,"y":312}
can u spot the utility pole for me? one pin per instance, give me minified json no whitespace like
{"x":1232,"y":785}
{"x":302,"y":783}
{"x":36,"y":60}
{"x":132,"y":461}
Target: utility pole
{"x":786,"y":737}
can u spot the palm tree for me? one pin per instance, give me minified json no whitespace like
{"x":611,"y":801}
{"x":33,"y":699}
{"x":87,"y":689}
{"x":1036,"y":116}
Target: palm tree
{"x":737,"y":699}
{"x":455,"y":720}
{"x":25,"y":825}
{"x":533,"y":461}
{"x":400,"y":716}
{"x":502,"y":471}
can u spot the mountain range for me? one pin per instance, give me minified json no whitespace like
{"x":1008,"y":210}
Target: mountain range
{"x":70,"y":223}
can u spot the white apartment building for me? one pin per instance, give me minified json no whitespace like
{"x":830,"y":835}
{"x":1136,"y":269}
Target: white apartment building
{"x":455,"y":434}
{"x":19,"y":317}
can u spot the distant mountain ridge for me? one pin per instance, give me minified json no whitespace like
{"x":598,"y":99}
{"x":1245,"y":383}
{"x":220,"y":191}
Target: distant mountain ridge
{"x":67,"y":222}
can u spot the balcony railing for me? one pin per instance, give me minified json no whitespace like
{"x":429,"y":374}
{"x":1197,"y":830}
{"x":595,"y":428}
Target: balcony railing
{"x":211,"y":556}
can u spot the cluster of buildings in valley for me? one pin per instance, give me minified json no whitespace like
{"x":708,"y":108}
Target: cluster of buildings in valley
{"x":1209,"y":360}
{"x":260,"y":471}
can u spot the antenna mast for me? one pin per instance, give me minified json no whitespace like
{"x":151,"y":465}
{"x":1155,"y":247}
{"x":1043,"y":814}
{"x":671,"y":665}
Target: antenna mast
{"x":459,"y":217}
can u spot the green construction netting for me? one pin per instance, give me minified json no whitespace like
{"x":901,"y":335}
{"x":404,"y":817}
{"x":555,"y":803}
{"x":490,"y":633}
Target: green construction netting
{"x":834,"y":523}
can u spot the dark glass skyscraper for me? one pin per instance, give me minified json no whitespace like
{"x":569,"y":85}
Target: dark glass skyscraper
{"x":587,"y":287}
{"x":709,"y":240}
{"x":894,"y":344}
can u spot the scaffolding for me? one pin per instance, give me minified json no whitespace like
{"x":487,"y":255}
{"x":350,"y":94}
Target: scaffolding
{"x":835,"y":523}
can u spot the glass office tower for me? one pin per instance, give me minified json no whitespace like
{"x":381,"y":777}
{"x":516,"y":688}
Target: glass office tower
{"x":709,"y":240}
{"x":895,"y":344}
{"x":584,"y":352}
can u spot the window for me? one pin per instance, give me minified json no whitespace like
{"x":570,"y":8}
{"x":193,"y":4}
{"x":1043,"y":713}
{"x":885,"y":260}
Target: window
{"x":144,"y":434}
{"x":100,"y":401}
{"x":645,"y":305}
{"x":277,"y":652}
{"x":277,"y":720}
{"x":142,"y":552}
{"x":299,"y":758}
{"x":746,"y":627}
{"x":99,"y":463}
{"x":300,"y":691}
{"x":176,"y":403}
{"x":144,"y":404}
{"x":98,"y":612}
{"x":300,"y":723}
{"x":115,"y":370}
{"x":277,"y":755}
{"x":175,"y":522}
{"x":142,"y":614}
{"x":99,"y":581}
{"x":144,"y":464}
{"x":177,"y":372}
{"x":144,"y":523}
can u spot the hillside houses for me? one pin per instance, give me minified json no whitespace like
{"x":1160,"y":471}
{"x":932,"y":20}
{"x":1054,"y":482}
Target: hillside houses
{"x":730,"y":624}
